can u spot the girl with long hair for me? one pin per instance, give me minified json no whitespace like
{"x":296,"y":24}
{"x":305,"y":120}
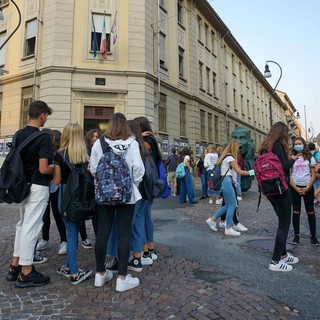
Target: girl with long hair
{"x":119,"y":137}
{"x":277,"y":141}
{"x":72,"y":146}
{"x":210,"y":160}
{"x":229,"y":165}
{"x":301,"y":186}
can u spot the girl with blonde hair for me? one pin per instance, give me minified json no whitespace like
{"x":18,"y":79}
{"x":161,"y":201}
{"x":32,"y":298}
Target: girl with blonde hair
{"x":228,"y":164}
{"x":73,"y":148}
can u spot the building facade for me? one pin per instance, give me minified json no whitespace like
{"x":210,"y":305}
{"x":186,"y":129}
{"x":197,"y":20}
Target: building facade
{"x":173,"y":61}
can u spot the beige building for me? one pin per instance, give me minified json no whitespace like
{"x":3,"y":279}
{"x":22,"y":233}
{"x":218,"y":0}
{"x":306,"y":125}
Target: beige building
{"x":174,"y":61}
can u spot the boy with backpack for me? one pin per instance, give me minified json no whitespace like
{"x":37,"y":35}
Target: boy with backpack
{"x":36,"y":158}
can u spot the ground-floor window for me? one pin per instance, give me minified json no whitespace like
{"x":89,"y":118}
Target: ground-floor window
{"x":97,"y":117}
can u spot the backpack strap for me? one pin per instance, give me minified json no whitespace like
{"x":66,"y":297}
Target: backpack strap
{"x":104,"y":145}
{"x":65,"y":158}
{"x":26,"y":141}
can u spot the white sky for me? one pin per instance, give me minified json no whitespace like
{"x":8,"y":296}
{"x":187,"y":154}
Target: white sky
{"x":288,"y":32}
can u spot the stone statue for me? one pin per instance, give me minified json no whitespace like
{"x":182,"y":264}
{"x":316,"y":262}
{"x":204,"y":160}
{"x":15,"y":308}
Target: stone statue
{"x":247,"y":151}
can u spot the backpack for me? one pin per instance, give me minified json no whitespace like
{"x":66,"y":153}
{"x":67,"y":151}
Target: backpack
{"x":270,"y":174}
{"x":180,"y":171}
{"x":112,"y":180}
{"x":78,"y":200}
{"x":163,"y":176}
{"x":214,"y":177}
{"x":14,"y":186}
{"x":151,"y":186}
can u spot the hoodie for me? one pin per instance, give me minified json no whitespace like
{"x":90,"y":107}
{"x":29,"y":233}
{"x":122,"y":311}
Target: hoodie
{"x":132,"y":155}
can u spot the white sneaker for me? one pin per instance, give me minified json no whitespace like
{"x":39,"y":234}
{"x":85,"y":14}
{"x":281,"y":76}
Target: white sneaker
{"x":127,"y":284}
{"x":231,"y":232}
{"x":219,"y":201}
{"x":212,"y":225}
{"x":280,"y":266}
{"x":42,"y":245}
{"x":146,"y":261}
{"x":222,"y":224}
{"x":290,"y":259}
{"x":63,"y":248}
{"x":153,"y":255}
{"x":210,"y":201}
{"x":100,"y":280}
{"x":240,"y":227}
{"x":239,"y":198}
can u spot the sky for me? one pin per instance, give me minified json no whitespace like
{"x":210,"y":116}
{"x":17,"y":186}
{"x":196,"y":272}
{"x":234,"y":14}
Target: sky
{"x":287,"y":32}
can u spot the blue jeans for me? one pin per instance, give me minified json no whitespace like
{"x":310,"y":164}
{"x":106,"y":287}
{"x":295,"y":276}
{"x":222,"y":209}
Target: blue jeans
{"x":72,"y":228}
{"x":186,"y":188}
{"x":204,"y":183}
{"x":138,"y":227}
{"x":149,"y":228}
{"x":230,"y":200}
{"x":238,"y":185}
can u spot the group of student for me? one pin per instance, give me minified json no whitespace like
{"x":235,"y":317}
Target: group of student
{"x":127,"y":227}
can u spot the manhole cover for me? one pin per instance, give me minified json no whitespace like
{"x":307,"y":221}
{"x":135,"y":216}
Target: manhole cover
{"x":267,"y":244}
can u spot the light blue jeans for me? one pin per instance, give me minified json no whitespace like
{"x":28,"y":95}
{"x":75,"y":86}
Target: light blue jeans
{"x":138,"y":226}
{"x":238,"y":185}
{"x":149,"y":228}
{"x":230,"y":200}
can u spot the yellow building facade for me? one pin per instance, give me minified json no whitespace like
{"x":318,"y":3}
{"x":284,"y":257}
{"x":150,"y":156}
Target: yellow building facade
{"x":173,"y":61}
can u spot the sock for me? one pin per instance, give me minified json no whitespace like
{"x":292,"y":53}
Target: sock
{"x":151,"y":250}
{"x":145,"y":254}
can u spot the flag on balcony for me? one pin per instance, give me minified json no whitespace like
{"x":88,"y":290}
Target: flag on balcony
{"x":114,"y":30}
{"x":103,"y":44}
{"x":94,"y":44}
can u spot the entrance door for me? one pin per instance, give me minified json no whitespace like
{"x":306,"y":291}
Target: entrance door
{"x":97,"y":118}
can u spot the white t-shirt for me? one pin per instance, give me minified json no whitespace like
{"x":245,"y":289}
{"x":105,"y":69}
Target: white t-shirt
{"x":300,"y":172}
{"x":210,"y":160}
{"x":225,"y":165}
{"x":186,"y":159}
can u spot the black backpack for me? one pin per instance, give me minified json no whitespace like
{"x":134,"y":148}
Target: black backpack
{"x":151,"y":186}
{"x":14,"y":186}
{"x":78,"y":195}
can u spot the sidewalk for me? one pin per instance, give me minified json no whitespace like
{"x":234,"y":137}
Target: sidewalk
{"x":172,"y":288}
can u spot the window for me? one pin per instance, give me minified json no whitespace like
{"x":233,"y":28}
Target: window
{"x":200,"y":75}
{"x":235,"y":99}
{"x":31,"y":36}
{"x":216,"y":129}
{"x":233,"y":64}
{"x":27,"y":98}
{"x":180,"y":11}
{"x":181,"y":53}
{"x":248,"y":109}
{"x":199,"y":28}
{"x":3,"y":36}
{"x":97,"y":117}
{"x":213,"y":39}
{"x":202,"y":124}
{"x":208,"y":79}
{"x":183,"y":119}
{"x":162,"y":113}
{"x":162,"y":48}
{"x":214,"y":84}
{"x":98,"y":21}
{"x":241,"y":105}
{"x":161,"y":3}
{"x":206,"y":34}
{"x":210,"y":124}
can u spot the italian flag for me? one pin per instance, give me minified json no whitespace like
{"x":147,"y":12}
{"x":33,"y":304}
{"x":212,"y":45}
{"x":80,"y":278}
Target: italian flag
{"x":103,"y":44}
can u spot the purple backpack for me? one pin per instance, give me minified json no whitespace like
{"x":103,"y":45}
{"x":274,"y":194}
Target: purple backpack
{"x":270,"y":174}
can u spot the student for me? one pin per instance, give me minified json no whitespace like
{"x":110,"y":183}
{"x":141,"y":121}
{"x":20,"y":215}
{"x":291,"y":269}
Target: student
{"x":301,"y":186}
{"x":36,"y":157}
{"x":229,"y":165}
{"x":203,"y":175}
{"x":210,"y":160}
{"x":73,"y":147}
{"x":119,"y":138}
{"x":171,"y":164}
{"x":278,"y":140}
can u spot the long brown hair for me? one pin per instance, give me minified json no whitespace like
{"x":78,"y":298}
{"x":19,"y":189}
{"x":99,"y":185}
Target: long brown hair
{"x":118,"y":128}
{"x":232,"y":147}
{"x":278,"y":132}
{"x":136,"y":131}
{"x":306,"y":154}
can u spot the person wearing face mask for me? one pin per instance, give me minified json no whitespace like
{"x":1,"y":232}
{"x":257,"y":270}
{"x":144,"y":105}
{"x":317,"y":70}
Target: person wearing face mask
{"x":301,"y":186}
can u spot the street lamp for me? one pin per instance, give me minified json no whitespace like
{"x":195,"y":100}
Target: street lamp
{"x":16,"y":28}
{"x":305,"y":122}
{"x":267,"y":74}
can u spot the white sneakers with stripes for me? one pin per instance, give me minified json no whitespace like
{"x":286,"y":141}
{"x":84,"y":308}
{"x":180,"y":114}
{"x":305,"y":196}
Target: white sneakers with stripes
{"x":284,"y":264}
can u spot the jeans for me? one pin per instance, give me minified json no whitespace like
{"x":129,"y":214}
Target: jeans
{"x":105,"y":218}
{"x":282,"y":207}
{"x":204,"y":183}
{"x":138,"y":226}
{"x":149,"y":228}
{"x":53,"y":203}
{"x":238,"y":185}
{"x":230,"y":200}
{"x":72,"y":228}
{"x":30,"y":223}
{"x":186,"y":188}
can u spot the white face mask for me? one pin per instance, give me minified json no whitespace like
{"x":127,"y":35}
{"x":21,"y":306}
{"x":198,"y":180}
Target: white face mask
{"x":298,"y":148}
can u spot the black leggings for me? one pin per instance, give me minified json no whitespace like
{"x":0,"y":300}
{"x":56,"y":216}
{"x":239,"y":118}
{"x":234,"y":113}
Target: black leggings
{"x":105,"y":216}
{"x":282,"y":207}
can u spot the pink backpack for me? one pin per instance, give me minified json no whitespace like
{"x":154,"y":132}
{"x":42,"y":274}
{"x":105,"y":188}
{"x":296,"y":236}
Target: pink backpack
{"x":270,"y":174}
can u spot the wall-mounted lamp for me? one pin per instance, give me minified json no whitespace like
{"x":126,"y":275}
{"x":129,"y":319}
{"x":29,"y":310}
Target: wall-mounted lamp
{"x":297,"y":115}
{"x":1,"y":15}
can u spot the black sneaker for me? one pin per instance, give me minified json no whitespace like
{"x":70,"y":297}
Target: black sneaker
{"x":82,"y":275}
{"x":13,"y":273}
{"x":33,"y":279}
{"x":134,"y":264}
{"x":39,"y":259}
{"x":314,"y":240}
{"x":63,"y":271}
{"x":296,"y":240}
{"x":112,"y":265}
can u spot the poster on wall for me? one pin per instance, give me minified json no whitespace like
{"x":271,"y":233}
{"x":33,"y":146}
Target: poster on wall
{"x":176,"y":144}
{"x":165,"y":146}
{"x":198,"y":151}
{"x":6,"y":147}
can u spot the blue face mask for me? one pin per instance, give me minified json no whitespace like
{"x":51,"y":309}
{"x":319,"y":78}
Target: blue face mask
{"x":298,"y":148}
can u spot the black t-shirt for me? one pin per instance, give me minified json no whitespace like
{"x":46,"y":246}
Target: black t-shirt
{"x":39,"y":148}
